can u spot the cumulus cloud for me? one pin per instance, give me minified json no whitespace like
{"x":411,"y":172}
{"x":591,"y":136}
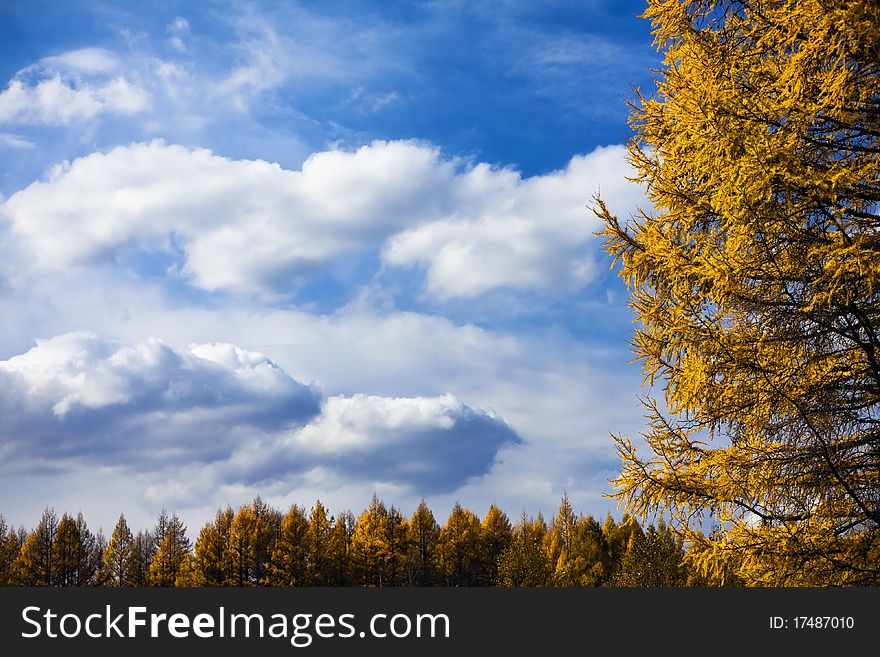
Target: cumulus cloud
{"x":232,"y":413}
{"x":251,"y":226}
{"x":432,"y":444}
{"x":80,"y":396}
{"x":416,"y":446}
{"x":532,"y":233}
{"x":71,"y":87}
{"x":245,"y":225}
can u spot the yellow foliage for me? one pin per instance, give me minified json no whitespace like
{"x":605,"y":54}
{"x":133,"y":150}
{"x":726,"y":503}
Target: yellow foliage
{"x":754,"y":281}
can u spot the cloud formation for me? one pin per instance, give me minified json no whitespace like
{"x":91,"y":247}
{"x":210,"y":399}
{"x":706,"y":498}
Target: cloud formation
{"x":433,"y":444}
{"x":249,"y":226}
{"x":73,"y":87}
{"x":229,"y":412}
{"x":80,"y":396}
{"x":178,"y":31}
{"x":533,"y":233}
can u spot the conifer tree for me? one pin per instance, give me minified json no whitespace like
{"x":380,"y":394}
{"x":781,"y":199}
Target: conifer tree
{"x":396,"y":546}
{"x":253,"y":534}
{"x":96,"y":558}
{"x":496,"y":534}
{"x":188,"y":574}
{"x":559,"y":544}
{"x":213,"y":551}
{"x":591,"y":561}
{"x":319,"y":547}
{"x":524,"y":562}
{"x":341,"y":549}
{"x":459,"y":548}
{"x":66,"y":550}
{"x":652,"y":558}
{"x":617,"y":538}
{"x":9,"y":550}
{"x":242,"y":547}
{"x":288,"y":563}
{"x":89,"y":556}
{"x":160,"y":530}
{"x":424,"y":533}
{"x":36,"y":564}
{"x":170,"y":554}
{"x":755,"y":283}
{"x":119,"y":567}
{"x":368,"y":547}
{"x":144,"y":549}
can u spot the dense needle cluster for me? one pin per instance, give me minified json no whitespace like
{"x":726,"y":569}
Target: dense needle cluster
{"x":755,"y":280}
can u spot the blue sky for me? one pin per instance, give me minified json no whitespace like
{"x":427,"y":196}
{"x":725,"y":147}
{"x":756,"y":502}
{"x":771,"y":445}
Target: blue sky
{"x":312,"y":250}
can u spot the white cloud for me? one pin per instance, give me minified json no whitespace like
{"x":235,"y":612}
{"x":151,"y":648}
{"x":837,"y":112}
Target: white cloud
{"x":251,"y":226}
{"x":75,"y":86}
{"x":533,"y":233}
{"x":178,"y":29}
{"x":149,"y":409}
{"x":14,"y":141}
{"x":247,"y":226}
{"x":350,"y":423}
{"x":265,"y":68}
{"x":298,"y":48}
{"x":89,"y":61}
{"x":422,"y":445}
{"x":83,"y":397}
{"x":561,"y":397}
{"x":371,"y":102}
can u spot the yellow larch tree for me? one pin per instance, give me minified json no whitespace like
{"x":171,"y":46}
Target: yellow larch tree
{"x":755,"y":282}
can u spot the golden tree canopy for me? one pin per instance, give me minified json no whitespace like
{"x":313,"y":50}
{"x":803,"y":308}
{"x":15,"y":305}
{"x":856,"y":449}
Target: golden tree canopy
{"x":755,"y":280}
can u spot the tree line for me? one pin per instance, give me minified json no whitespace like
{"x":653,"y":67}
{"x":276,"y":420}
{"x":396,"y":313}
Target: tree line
{"x":259,"y":545}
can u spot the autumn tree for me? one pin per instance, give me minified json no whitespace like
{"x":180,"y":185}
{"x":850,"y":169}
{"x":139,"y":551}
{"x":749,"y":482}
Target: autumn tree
{"x":9,"y":549}
{"x":144,"y":550}
{"x":89,"y":555}
{"x":213,"y":563}
{"x":171,"y":552}
{"x":424,"y":533}
{"x":319,"y":546}
{"x":755,"y":280}
{"x":396,"y":545}
{"x":341,"y":549}
{"x":119,"y":556}
{"x":655,"y":558}
{"x":36,"y":563}
{"x":496,"y":534}
{"x":66,"y":551}
{"x":368,"y":545}
{"x":188,"y":574}
{"x":96,"y":558}
{"x":288,"y":563}
{"x":590,"y":560}
{"x":254,"y":529}
{"x":524,"y":562}
{"x":617,"y":538}
{"x":459,"y":548}
{"x":559,"y":544}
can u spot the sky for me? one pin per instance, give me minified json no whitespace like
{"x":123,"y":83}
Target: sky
{"x":313,"y":251}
